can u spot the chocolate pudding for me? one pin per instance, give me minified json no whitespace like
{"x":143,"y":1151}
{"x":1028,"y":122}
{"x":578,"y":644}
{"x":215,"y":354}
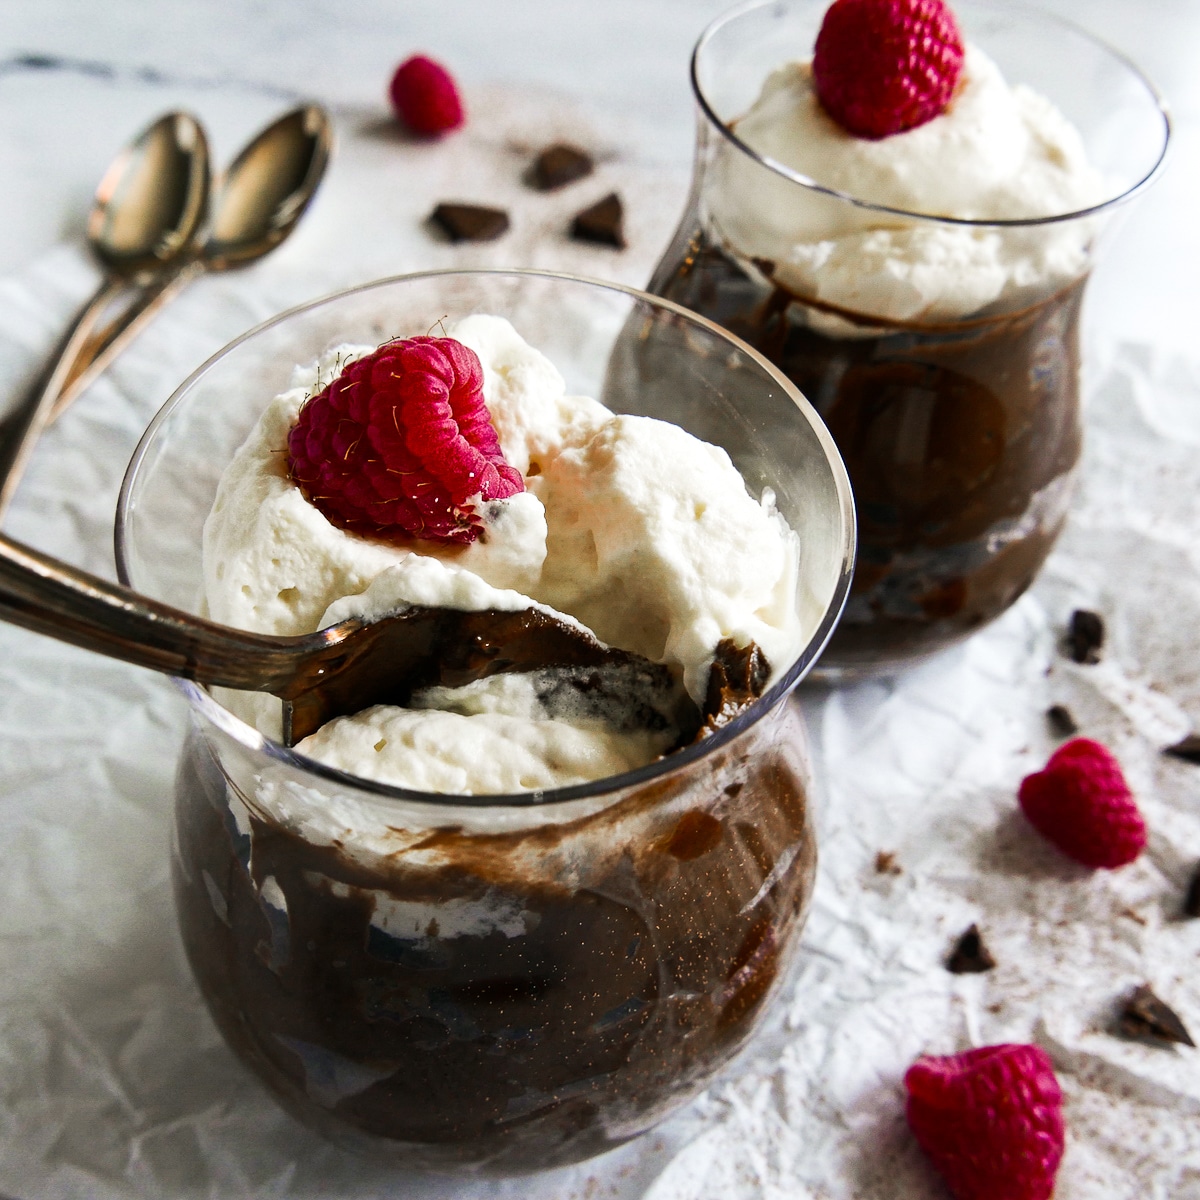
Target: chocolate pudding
{"x":500,"y":997}
{"x":917,"y":270}
{"x":487,"y":927}
{"x":960,"y":440}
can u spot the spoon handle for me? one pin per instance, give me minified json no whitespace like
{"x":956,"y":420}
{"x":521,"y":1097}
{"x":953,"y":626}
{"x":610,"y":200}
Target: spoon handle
{"x":83,"y":353}
{"x":21,"y":429}
{"x":105,"y":343}
{"x":47,"y":596}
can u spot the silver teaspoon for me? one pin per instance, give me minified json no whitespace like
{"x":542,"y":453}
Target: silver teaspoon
{"x":255,"y":205}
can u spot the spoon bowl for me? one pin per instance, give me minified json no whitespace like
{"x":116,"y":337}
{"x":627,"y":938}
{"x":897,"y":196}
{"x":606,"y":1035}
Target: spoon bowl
{"x":267,"y":188}
{"x":151,"y":203}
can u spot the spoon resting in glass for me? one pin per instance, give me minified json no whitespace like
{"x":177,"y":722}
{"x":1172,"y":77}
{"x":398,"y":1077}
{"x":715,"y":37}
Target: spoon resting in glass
{"x":346,"y":667}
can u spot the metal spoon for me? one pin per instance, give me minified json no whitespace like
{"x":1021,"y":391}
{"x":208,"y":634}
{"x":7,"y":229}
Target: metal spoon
{"x":145,"y":216}
{"x":255,"y":205}
{"x":340,"y":670}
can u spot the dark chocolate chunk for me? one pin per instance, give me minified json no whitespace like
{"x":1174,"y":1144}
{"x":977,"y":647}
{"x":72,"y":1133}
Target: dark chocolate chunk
{"x":1146,"y":1018}
{"x":557,"y":166}
{"x":1085,"y":636}
{"x":470,"y":222}
{"x":1191,"y":903}
{"x":1061,"y":721}
{"x":1188,"y":749}
{"x":601,"y":223}
{"x":737,"y":676}
{"x":970,"y":956}
{"x":886,"y":864}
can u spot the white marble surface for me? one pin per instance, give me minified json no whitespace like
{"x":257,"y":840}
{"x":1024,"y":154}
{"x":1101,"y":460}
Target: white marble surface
{"x":112,"y":1082}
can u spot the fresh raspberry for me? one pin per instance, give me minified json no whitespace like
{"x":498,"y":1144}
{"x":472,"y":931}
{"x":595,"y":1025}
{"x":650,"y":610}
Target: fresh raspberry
{"x":883,"y":66}
{"x":1082,"y":804}
{"x":397,"y":444}
{"x":425,"y":97}
{"x":990,"y":1121}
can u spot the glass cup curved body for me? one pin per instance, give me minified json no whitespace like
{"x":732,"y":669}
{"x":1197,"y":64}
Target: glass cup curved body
{"x":493,"y":983}
{"x":957,"y":411}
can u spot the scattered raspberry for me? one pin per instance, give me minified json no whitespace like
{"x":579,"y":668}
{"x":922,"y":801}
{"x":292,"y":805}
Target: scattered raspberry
{"x":990,"y":1121}
{"x":883,"y":66}
{"x":399,"y":441}
{"x":425,"y":97}
{"x":1082,"y":804}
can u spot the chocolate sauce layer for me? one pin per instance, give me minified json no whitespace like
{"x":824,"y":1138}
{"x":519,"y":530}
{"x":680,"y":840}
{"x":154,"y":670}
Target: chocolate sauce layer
{"x":497,"y":991}
{"x":960,"y":441}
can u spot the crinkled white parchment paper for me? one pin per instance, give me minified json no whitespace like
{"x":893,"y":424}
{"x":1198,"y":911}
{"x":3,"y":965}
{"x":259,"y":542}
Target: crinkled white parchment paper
{"x":113,"y":1082}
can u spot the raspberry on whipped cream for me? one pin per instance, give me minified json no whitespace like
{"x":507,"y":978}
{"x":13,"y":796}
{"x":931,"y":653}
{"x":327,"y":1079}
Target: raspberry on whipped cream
{"x":884,"y":66}
{"x":643,"y":532}
{"x":400,"y":444}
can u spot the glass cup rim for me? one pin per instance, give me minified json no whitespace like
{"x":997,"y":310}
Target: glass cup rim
{"x":251,"y":739}
{"x":1007,"y":10}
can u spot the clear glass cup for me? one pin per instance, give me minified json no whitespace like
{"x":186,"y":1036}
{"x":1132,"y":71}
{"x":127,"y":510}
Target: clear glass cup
{"x":961,"y":428}
{"x":495,"y":983}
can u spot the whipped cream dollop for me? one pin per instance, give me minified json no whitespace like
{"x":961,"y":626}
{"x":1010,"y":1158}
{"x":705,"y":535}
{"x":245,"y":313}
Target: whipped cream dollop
{"x":629,"y":526}
{"x":273,"y":563}
{"x":997,"y":153}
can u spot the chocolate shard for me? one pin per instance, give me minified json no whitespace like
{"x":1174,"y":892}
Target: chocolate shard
{"x":1146,"y":1018}
{"x":1188,"y":749}
{"x":603,"y":223}
{"x":1085,"y":636}
{"x":1191,"y":902}
{"x":470,"y":222}
{"x":970,"y":956}
{"x":557,"y":166}
{"x":1061,"y":721}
